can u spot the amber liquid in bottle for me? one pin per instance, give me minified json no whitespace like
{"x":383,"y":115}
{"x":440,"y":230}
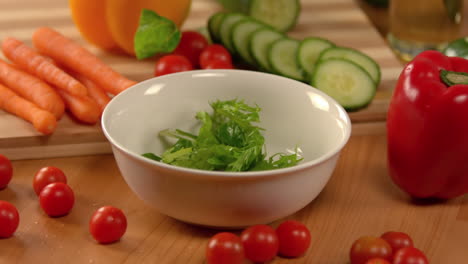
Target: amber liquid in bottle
{"x":418,"y":25}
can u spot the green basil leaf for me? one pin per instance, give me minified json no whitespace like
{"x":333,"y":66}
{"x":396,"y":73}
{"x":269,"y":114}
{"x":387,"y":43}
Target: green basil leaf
{"x":155,"y":34}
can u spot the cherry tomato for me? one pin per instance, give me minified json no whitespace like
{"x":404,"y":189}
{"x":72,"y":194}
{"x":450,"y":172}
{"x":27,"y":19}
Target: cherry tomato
{"x":410,"y":255}
{"x":46,"y":176}
{"x":397,"y":240}
{"x":214,"y":52}
{"x":172,"y":64}
{"x":368,"y":247}
{"x":9,"y":219}
{"x":294,"y":238}
{"x":260,"y":243}
{"x":57,"y":199}
{"x":108,"y":224}
{"x":6,"y":171}
{"x":191,"y":46}
{"x":378,"y":261}
{"x":225,"y":248}
{"x":218,"y":64}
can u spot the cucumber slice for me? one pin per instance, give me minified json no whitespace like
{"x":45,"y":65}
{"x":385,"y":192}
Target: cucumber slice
{"x":346,"y":82}
{"x":355,"y":56}
{"x":240,"y":35}
{"x":259,"y":43}
{"x":228,"y":22}
{"x":282,"y":57}
{"x":280,"y":14}
{"x":214,"y":22}
{"x":309,"y":52}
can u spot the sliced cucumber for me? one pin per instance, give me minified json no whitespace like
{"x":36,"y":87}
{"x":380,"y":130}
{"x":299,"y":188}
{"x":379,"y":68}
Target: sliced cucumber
{"x":345,"y":81}
{"x":240,"y":38}
{"x":309,"y":52}
{"x":214,"y":23}
{"x":282,"y":58}
{"x":259,"y":43}
{"x":355,"y":56}
{"x":228,"y":22}
{"x":280,"y":14}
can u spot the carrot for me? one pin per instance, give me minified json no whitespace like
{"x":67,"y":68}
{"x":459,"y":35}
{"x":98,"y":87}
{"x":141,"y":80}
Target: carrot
{"x":94,"y":91}
{"x":32,"y":89}
{"x":82,"y":108}
{"x":72,"y":55}
{"x":42,"y":120}
{"x":34,"y":63}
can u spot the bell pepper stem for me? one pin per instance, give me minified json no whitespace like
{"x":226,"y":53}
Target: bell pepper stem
{"x":451,"y":77}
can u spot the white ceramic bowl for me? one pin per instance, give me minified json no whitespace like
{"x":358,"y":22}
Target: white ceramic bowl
{"x":293,"y":114}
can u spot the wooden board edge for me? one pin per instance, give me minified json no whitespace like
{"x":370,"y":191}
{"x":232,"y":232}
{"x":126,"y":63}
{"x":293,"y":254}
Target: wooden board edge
{"x":57,"y":151}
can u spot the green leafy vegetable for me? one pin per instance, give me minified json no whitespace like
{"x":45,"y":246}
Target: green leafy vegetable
{"x":227,"y":141}
{"x":155,"y":34}
{"x":152,"y":156}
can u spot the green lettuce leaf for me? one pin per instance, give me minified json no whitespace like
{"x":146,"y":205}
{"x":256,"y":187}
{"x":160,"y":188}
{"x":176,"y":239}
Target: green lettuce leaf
{"x":228,"y":140}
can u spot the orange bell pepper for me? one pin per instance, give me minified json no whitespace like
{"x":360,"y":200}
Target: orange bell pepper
{"x":111,"y":24}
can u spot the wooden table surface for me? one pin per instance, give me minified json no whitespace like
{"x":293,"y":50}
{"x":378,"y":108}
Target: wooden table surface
{"x":360,"y":199}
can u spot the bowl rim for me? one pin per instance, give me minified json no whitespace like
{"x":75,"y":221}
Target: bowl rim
{"x":265,"y":173}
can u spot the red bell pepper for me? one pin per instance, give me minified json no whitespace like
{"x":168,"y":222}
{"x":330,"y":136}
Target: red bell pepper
{"x":427,"y":127}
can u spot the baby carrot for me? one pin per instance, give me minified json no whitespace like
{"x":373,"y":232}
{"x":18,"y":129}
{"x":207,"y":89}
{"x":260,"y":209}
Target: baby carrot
{"x":83,"y":108}
{"x":73,"y":56}
{"x":42,"y":120}
{"x":94,"y":91}
{"x":34,"y":63}
{"x":32,"y":89}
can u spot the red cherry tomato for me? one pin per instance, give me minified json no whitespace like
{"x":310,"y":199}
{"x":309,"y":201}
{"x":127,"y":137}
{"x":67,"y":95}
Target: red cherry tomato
{"x":46,"y":176}
{"x":9,"y":219}
{"x":57,"y":199}
{"x":217,"y":64}
{"x":294,"y":238}
{"x":191,"y":46}
{"x":397,"y":240}
{"x":225,"y":248}
{"x":214,"y":52}
{"x":172,"y":64}
{"x":410,"y":255}
{"x":378,"y":261}
{"x":6,"y":171}
{"x":260,"y":243}
{"x":108,"y":224}
{"x":368,"y":247}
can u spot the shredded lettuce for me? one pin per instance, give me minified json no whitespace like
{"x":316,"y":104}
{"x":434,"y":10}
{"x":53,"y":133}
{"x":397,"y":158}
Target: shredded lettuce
{"x":227,"y":140}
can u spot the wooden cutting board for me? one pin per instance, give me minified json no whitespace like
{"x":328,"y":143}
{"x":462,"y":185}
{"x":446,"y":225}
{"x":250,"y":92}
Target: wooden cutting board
{"x":340,"y":21}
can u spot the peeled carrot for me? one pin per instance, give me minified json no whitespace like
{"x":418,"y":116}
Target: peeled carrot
{"x":34,"y":63}
{"x":42,"y":120}
{"x":32,"y":89}
{"x":82,"y":108}
{"x":73,"y":56}
{"x":94,"y":91}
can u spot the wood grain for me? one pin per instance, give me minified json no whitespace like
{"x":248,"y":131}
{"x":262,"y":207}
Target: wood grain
{"x":360,"y":199}
{"x":341,"y":21}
